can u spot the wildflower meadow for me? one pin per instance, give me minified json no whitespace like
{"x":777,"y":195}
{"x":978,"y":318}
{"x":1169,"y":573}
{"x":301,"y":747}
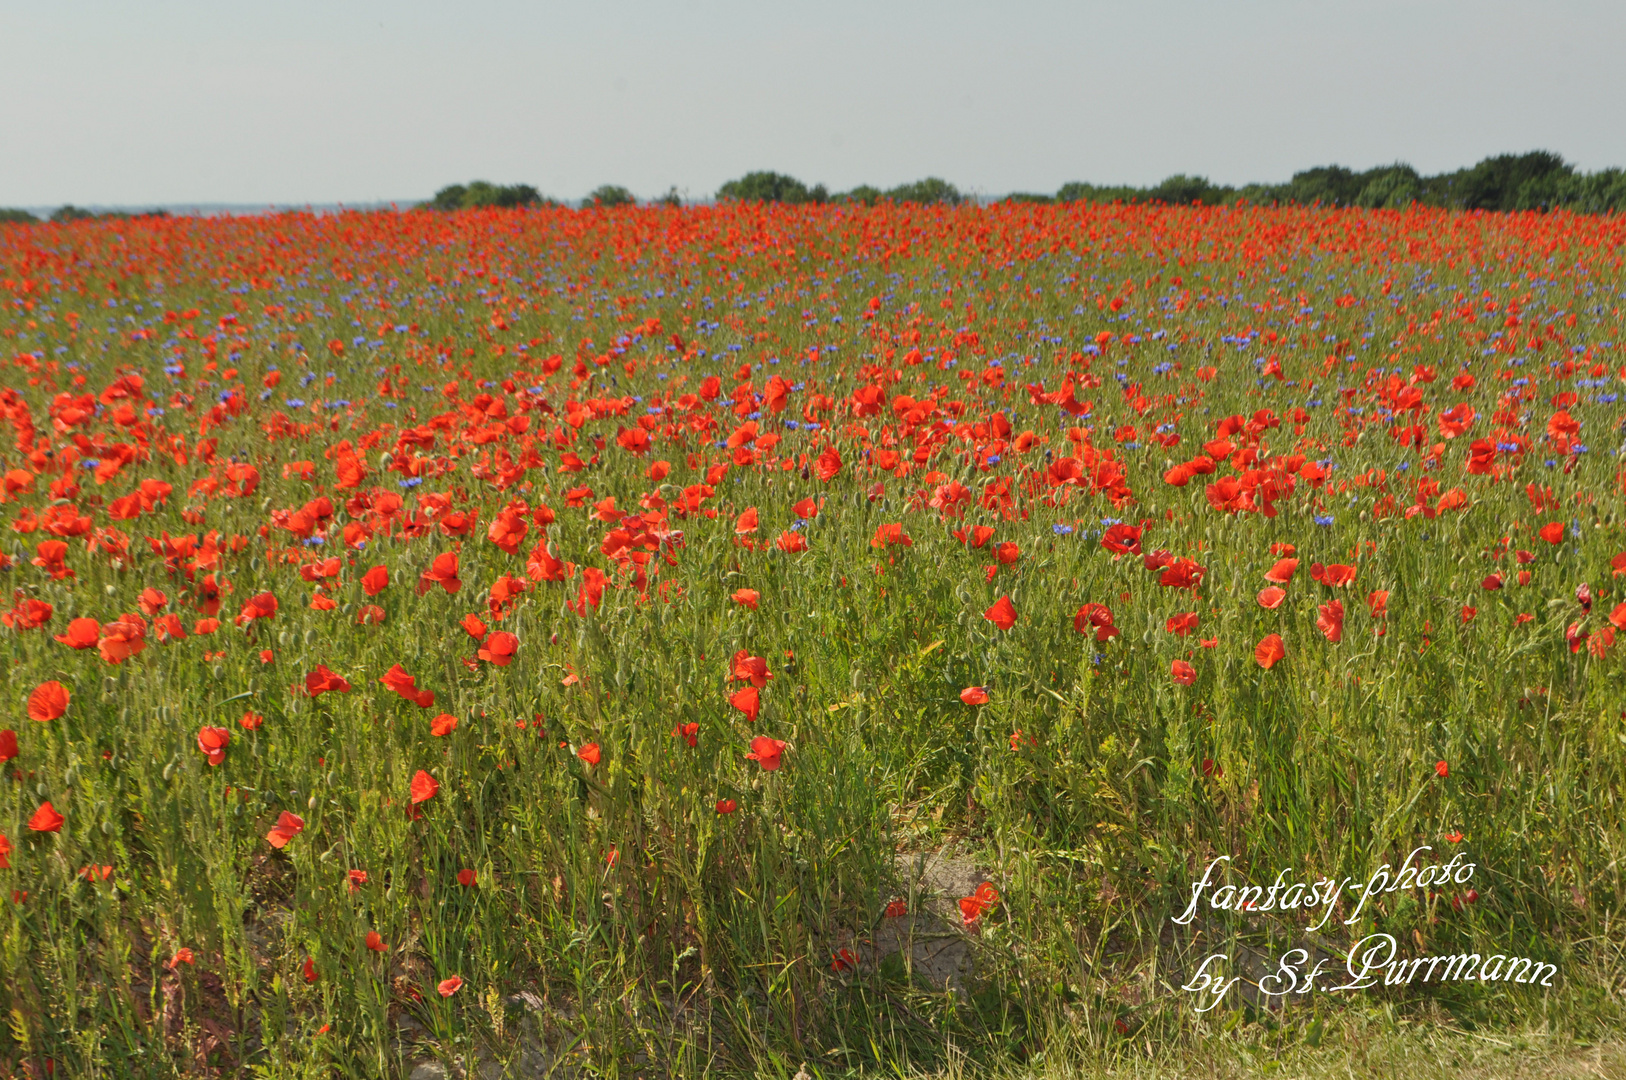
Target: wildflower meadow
{"x":569,"y":638}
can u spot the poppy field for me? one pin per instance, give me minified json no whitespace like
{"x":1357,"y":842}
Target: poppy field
{"x":551,"y":635}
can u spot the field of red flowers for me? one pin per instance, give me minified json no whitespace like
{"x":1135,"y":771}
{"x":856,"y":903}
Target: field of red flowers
{"x":557,"y":633}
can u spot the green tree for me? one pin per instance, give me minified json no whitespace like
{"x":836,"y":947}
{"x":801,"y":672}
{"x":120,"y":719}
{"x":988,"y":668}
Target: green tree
{"x":610,"y":195}
{"x":766,"y":187}
{"x":863,"y":194}
{"x":18,"y":217}
{"x":927,"y":192}
{"x":70,"y":212}
{"x":1392,"y":188}
{"x":482,"y":193}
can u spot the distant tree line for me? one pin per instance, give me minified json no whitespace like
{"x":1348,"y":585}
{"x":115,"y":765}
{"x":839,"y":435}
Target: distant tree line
{"x":71,"y":212}
{"x":1539,"y":180}
{"x":1534,"y":181}
{"x":776,"y":187}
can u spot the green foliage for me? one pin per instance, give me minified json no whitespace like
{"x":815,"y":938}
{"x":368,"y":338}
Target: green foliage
{"x":9,"y":216}
{"x":1535,"y":181}
{"x":770,"y":187}
{"x":70,"y":212}
{"x":862,"y":195}
{"x":610,"y":195}
{"x":481,"y":194}
{"x":928,"y":192}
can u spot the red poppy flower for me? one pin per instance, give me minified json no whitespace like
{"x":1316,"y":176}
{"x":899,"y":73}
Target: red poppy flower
{"x":29,"y":614}
{"x":689,"y":733}
{"x":375,"y":942}
{"x":726,"y":806}
{"x":1377,"y":601}
{"x":746,"y":524}
{"x":1552,"y":532}
{"x":752,"y":669}
{"x":974,"y":695}
{"x":406,"y":685}
{"x":590,"y":753}
{"x":5,"y":852}
{"x":8,"y":745}
{"x":1271,"y":597}
{"x":499,"y":648}
{"x":205,"y":626}
{"x":1441,"y":769}
{"x":444,"y":724}
{"x":212,"y":743}
{"x":1002,"y":614}
{"x":251,"y":721}
{"x":122,"y":638}
{"x":747,"y":597}
{"x":358,"y":878}
{"x":48,"y":701}
{"x":424,"y":787}
{"x":472,"y":626}
{"x":890,"y":535}
{"x":466,"y":878}
{"x":287,"y":827}
{"x":260,"y":606}
{"x":1182,"y":624}
{"x":973,"y":907}
{"x":1269,"y":651}
{"x":322,"y":680}
{"x":1282,"y":572}
{"x":151,"y":601}
{"x":747,"y":699}
{"x":1183,"y":673}
{"x":791,"y":542}
{"x":442,"y":572}
{"x":82,"y":633}
{"x":309,"y":970}
{"x":1330,"y":620}
{"x":450,"y":986}
{"x":375,"y":580}
{"x":807,"y":508}
{"x":46,"y":819}
{"x":766,"y":752}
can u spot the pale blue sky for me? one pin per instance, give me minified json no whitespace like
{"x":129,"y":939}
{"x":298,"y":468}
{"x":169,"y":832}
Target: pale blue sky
{"x":166,"y":101}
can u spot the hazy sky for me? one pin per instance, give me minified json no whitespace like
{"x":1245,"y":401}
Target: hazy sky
{"x":354,"y":101}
